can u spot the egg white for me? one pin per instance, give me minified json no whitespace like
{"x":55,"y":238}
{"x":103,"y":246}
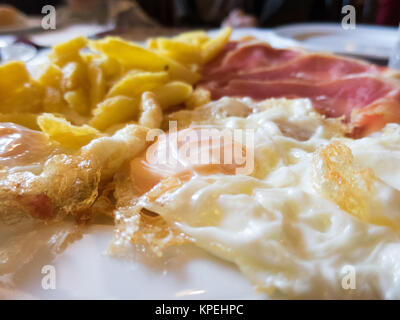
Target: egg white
{"x":287,"y":238}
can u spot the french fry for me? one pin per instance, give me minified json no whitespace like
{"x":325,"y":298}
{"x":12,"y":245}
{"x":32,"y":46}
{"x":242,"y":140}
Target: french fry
{"x":198,"y":98}
{"x":68,"y":51}
{"x":193,"y":37}
{"x":26,"y":98}
{"x":172,"y":93}
{"x":18,"y":91}
{"x":114,"y":110}
{"x":78,"y":101}
{"x":151,"y":113}
{"x":152,"y":44}
{"x":112,"y":84}
{"x":50,"y":76}
{"x":135,"y":83}
{"x":74,"y":76}
{"x":13,"y":75}
{"x":67,"y":134}
{"x":212,"y":47}
{"x":110,"y":67}
{"x":97,"y":82}
{"x":133,"y":56}
{"x":184,"y":52}
{"x":53,"y":100}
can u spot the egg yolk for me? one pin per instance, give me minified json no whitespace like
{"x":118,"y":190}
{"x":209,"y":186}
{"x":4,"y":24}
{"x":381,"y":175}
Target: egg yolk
{"x":188,"y":152}
{"x":20,"y":145}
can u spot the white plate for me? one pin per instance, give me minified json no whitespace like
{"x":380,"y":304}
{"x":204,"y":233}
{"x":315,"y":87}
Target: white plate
{"x":366,"y":40}
{"x":267,"y":35}
{"x":65,"y":33}
{"x":84,"y":271}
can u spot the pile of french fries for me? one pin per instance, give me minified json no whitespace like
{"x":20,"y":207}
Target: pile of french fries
{"x":81,"y":94}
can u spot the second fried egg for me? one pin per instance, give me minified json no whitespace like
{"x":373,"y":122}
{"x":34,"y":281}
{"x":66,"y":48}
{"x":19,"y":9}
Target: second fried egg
{"x":300,"y":218}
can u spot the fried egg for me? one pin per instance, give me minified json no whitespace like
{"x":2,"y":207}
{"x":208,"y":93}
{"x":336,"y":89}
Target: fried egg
{"x":42,"y":179}
{"x":315,"y":204}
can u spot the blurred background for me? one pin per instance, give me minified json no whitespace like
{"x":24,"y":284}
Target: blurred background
{"x":313,"y":24}
{"x":212,"y":13}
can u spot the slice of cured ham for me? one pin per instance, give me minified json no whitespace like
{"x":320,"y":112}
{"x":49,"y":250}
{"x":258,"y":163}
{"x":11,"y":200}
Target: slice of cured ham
{"x":360,"y":92}
{"x":332,"y":98}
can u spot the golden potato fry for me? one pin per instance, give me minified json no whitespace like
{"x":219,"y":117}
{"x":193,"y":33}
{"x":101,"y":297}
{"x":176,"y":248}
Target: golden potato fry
{"x":78,"y":101}
{"x":12,"y":76}
{"x":135,"y":83}
{"x":151,"y":114}
{"x":53,"y":100}
{"x":114,"y":110}
{"x":152,"y":44}
{"x":194,"y":67}
{"x":193,"y":37}
{"x":18,"y":92}
{"x":68,"y":51}
{"x":97,"y":82}
{"x":184,"y":52}
{"x":133,"y":56}
{"x":26,"y":98}
{"x":211,"y":48}
{"x":62,"y":131}
{"x":50,"y":76}
{"x":89,"y":56}
{"x":115,"y":127}
{"x":172,"y":93}
{"x":198,"y":98}
{"x":110,"y":67}
{"x":74,"y":76}
{"x":25,"y":119}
